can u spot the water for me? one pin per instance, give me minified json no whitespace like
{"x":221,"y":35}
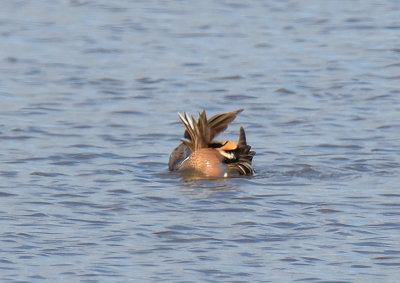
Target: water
{"x":90,"y":92}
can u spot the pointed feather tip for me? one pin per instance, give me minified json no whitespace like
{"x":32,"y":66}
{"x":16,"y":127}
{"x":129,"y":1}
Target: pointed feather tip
{"x":242,"y":136}
{"x":186,"y":119}
{"x":182,"y":118}
{"x":191,"y":122}
{"x":185,"y":140}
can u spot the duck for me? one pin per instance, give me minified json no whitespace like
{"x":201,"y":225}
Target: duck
{"x":201,"y":156}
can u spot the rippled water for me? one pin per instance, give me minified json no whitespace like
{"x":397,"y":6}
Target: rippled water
{"x":89,"y":94}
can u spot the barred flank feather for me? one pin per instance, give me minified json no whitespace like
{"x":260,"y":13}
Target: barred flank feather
{"x":243,"y":165}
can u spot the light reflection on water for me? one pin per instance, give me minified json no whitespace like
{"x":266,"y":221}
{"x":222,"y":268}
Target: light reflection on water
{"x":89,"y":93}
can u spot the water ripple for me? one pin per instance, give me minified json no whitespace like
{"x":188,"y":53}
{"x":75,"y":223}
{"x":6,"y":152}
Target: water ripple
{"x":89,"y":95}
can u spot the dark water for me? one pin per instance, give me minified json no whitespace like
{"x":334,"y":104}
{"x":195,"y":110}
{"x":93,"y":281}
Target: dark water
{"x":89,"y":94}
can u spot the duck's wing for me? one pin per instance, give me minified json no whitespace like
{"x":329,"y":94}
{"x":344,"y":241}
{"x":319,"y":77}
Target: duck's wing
{"x":209,"y":128}
{"x":199,"y":132}
{"x":180,"y":153}
{"x":219,"y":122}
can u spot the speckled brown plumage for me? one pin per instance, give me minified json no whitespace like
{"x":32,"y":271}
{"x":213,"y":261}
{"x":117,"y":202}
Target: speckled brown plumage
{"x":207,"y":161}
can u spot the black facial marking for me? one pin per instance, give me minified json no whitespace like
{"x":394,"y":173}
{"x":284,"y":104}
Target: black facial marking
{"x":235,"y":156}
